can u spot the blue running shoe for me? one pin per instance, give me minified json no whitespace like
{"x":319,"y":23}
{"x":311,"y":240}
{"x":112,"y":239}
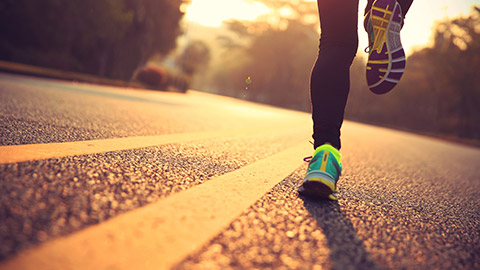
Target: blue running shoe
{"x":323,"y":172}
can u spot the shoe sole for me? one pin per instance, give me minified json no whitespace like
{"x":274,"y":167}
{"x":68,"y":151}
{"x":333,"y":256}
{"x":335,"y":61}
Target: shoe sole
{"x":315,"y":186}
{"x":386,"y":59}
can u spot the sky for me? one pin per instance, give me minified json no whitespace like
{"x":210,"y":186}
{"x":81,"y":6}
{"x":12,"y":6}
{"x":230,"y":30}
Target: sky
{"x":416,"y":33}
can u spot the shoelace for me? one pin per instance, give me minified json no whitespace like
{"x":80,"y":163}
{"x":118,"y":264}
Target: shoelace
{"x":307,"y":159}
{"x":367,"y":49}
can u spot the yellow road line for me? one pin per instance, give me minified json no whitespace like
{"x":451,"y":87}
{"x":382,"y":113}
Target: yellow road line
{"x":30,"y":152}
{"x":160,"y":235}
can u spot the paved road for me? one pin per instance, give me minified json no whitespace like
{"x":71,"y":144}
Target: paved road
{"x":406,"y":201}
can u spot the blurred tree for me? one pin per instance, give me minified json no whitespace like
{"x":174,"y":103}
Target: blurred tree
{"x":103,"y":37}
{"x":154,"y":30}
{"x":195,"y":55}
{"x":270,"y":61}
{"x":456,"y":57}
{"x":440,"y":90}
{"x":281,"y":61}
{"x":305,"y":11}
{"x":71,"y":35}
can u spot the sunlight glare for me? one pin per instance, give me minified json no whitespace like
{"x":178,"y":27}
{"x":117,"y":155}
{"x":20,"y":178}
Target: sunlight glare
{"x":417,"y":32}
{"x":214,"y":12}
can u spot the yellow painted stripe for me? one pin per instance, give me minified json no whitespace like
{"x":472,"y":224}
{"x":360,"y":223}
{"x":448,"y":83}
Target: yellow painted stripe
{"x":160,"y":235}
{"x":30,"y":152}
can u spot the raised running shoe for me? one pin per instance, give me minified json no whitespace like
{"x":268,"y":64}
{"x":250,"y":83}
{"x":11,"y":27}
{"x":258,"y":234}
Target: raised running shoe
{"x":386,"y":58}
{"x":323,"y":172}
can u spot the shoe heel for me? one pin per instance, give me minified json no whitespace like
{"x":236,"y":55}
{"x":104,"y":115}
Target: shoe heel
{"x":315,"y":189}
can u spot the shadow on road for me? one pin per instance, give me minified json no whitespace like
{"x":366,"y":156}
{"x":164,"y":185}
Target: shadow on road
{"x":347,"y":251}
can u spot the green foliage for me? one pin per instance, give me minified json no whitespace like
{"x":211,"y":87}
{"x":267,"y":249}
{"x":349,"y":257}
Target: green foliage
{"x":439,"y":92}
{"x":155,"y":77}
{"x":195,"y":56}
{"x":103,"y":37}
{"x":276,"y":57}
{"x":154,"y":30}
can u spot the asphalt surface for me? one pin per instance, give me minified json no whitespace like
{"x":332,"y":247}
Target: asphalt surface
{"x":406,"y":201}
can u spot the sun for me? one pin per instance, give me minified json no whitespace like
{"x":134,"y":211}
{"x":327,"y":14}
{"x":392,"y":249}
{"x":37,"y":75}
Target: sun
{"x":214,"y":12}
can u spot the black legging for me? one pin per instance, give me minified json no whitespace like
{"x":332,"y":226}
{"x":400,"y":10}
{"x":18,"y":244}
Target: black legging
{"x":330,"y":78}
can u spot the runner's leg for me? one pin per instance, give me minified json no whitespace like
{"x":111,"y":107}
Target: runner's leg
{"x":330,"y":78}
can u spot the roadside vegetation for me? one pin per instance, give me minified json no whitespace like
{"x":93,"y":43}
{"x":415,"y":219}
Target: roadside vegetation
{"x":270,"y":62}
{"x":266,"y":61}
{"x":106,"y":38}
